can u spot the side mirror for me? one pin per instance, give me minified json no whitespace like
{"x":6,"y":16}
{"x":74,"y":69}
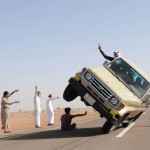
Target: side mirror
{"x":105,"y":63}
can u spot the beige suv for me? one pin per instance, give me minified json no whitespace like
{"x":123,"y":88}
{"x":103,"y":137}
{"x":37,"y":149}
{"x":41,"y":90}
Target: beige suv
{"x":119,"y":91}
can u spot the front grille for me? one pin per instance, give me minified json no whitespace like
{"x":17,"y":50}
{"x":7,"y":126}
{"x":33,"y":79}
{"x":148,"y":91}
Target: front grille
{"x":96,"y":84}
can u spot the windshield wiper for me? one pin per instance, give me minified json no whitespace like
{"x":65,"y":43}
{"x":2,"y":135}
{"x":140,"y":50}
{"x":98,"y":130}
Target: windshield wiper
{"x":116,"y":75}
{"x":131,"y":89}
{"x":118,"y":78}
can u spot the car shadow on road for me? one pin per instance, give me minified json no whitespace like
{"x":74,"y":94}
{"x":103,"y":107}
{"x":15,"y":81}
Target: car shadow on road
{"x":54,"y":134}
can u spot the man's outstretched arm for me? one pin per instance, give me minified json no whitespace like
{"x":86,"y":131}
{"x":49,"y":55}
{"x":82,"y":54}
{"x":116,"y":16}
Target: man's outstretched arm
{"x":104,"y":55}
{"x":35,"y":90}
{"x":79,"y":115}
{"x":13,"y":93}
{"x":54,"y":98}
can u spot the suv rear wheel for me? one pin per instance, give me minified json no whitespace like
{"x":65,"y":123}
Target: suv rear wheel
{"x":127,"y":122}
{"x":70,"y":93}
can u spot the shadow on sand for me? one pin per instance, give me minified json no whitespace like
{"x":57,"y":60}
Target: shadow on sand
{"x":54,"y":134}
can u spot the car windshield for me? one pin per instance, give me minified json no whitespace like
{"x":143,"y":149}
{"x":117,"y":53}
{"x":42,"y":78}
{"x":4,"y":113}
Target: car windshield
{"x":129,"y":76}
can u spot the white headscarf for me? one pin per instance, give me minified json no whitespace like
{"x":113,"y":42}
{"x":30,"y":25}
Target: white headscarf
{"x":118,"y":53}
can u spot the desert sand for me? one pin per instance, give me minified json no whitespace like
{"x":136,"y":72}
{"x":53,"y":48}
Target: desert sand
{"x":20,"y":121}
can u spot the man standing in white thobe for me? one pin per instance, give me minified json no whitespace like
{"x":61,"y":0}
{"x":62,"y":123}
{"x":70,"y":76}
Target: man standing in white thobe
{"x":37,"y":108}
{"x":50,"y":110}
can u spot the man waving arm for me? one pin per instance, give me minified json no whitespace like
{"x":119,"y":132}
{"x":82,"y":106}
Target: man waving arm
{"x":104,"y":55}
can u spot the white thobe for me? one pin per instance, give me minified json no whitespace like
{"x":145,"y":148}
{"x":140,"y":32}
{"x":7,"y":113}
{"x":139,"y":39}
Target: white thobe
{"x":50,"y":110}
{"x":37,"y":111}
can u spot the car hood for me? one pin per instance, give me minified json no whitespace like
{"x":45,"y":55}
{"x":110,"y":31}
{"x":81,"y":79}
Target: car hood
{"x":115,"y":85}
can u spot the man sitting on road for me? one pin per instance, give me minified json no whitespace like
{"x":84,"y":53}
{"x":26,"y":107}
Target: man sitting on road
{"x":67,"y":118}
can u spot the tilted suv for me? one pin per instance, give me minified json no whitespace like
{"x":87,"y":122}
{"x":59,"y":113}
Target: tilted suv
{"x":119,"y":91}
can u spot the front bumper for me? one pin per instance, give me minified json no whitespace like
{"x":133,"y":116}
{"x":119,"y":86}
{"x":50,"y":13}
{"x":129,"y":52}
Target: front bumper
{"x":92,"y":101}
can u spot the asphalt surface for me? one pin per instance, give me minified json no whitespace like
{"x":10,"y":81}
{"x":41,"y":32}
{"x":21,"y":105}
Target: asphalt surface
{"x":88,"y":136}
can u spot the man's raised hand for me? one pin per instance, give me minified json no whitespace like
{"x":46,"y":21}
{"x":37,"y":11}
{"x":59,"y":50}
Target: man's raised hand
{"x":16,"y":90}
{"x":99,"y":47}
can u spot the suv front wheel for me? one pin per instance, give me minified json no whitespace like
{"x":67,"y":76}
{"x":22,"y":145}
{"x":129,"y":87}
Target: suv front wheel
{"x":70,"y":93}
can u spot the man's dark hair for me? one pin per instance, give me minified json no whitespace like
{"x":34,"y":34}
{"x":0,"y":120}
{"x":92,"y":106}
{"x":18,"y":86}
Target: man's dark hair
{"x":67,"y":110}
{"x":5,"y":93}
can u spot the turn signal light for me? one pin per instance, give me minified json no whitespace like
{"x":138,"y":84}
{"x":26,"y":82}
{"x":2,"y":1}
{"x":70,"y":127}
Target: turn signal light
{"x":121,"y":106}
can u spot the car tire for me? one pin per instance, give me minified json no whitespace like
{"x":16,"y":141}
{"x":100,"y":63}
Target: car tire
{"x":70,"y":93}
{"x":108,"y":127}
{"x":127,"y":122}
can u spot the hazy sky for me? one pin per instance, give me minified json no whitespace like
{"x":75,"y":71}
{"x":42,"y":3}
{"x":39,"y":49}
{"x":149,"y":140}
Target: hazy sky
{"x":45,"y":42}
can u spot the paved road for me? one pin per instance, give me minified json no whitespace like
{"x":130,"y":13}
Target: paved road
{"x":87,"y":137}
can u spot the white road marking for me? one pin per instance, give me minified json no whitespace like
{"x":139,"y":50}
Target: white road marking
{"x":144,"y":113}
{"x":125,"y":130}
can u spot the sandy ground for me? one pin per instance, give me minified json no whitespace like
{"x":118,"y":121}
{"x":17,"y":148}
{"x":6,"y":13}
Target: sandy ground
{"x":24,"y":120}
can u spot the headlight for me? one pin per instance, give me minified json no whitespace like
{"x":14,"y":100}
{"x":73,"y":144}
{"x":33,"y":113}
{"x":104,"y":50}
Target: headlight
{"x":88,"y":76}
{"x":114,"y":101}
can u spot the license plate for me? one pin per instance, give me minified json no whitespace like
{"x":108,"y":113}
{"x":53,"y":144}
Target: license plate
{"x":77,"y":78}
{"x":89,"y":99}
{"x":113,"y":113}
